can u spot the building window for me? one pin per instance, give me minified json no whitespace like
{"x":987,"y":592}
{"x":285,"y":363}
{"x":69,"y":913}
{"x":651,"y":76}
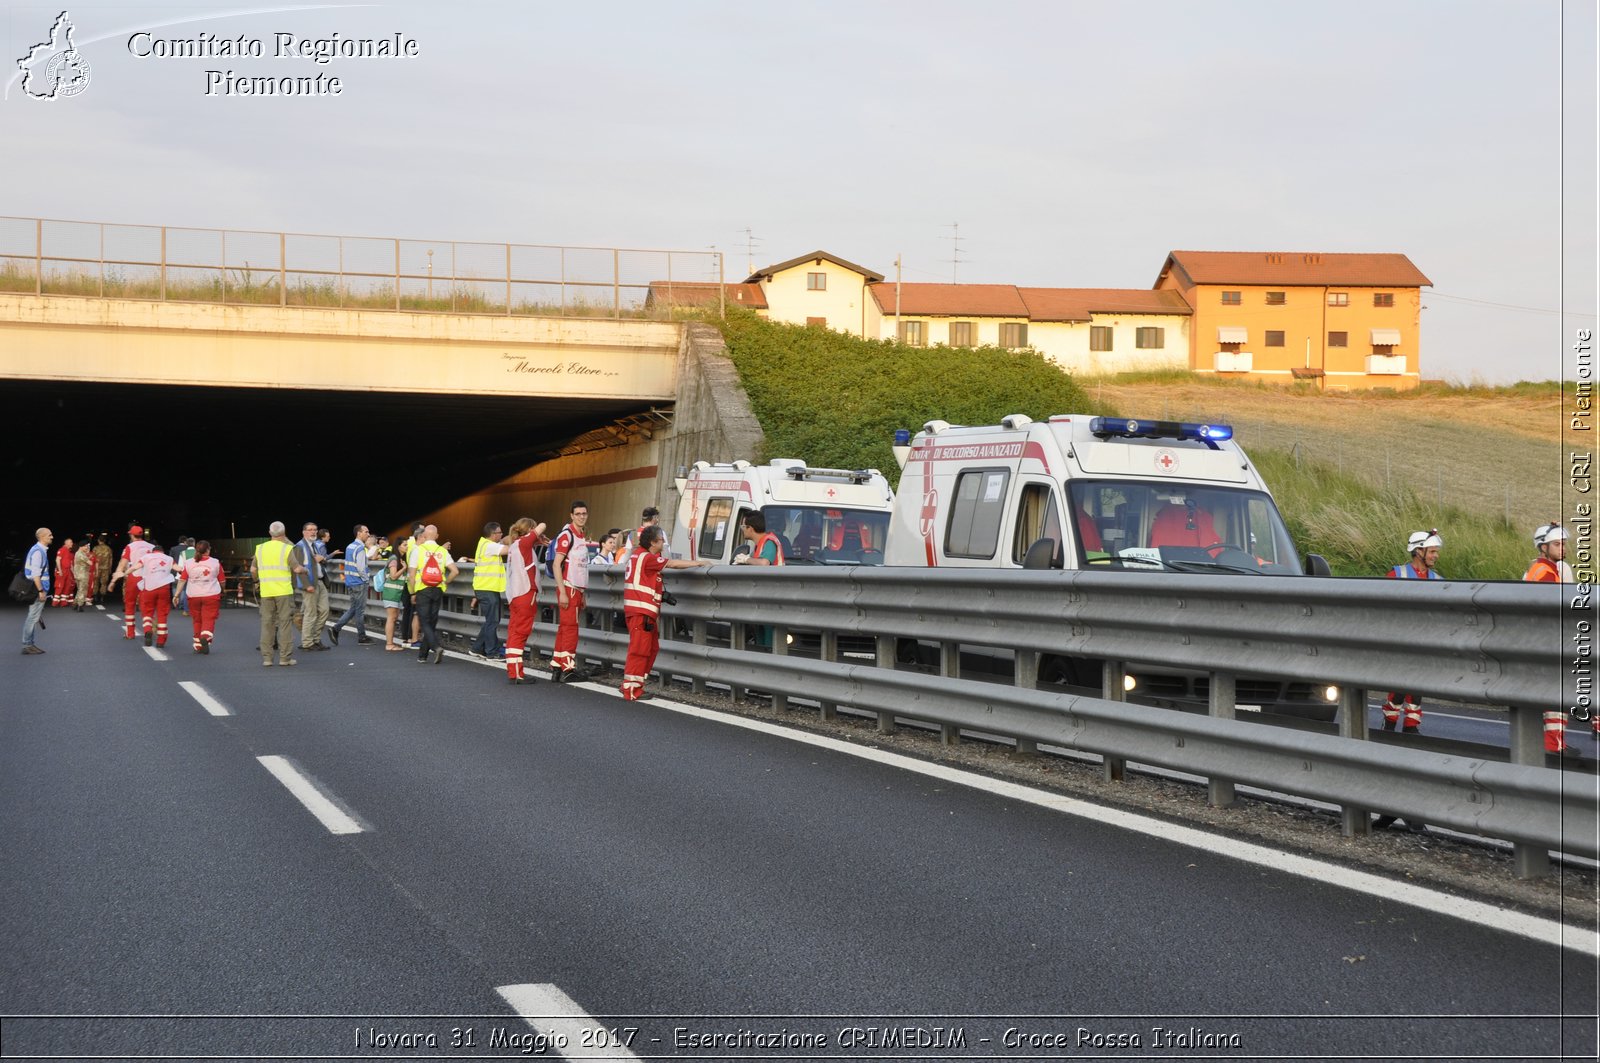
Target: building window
{"x":913,"y":333}
{"x":816,"y":282}
{"x":1276,"y":298}
{"x":1274,"y":338}
{"x":821,"y":322}
{"x":1099,"y":337}
{"x":975,"y":513}
{"x":1150,"y":339}
{"x":1338,"y":298}
{"x":963,"y":334}
{"x":1014,"y":334}
{"x":1232,"y":298}
{"x":1338,"y":339}
{"x":1383,"y":298}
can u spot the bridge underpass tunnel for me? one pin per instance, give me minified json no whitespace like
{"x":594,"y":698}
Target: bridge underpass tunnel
{"x":212,"y":461}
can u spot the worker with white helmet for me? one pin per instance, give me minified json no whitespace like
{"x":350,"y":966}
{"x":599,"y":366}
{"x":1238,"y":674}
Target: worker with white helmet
{"x":1424,"y":547}
{"x":1551,"y":567}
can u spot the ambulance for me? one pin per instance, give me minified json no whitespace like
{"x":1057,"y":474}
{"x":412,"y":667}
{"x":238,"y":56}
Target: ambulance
{"x":1079,"y":492}
{"x":820,"y":516}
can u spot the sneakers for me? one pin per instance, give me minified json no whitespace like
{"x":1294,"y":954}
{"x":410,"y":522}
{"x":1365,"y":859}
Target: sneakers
{"x":365,"y":640}
{"x":333,"y":634}
{"x":1410,"y":729}
{"x":290,"y":663}
{"x":205,"y":645}
{"x":438,"y":654}
{"x":149,"y":638}
{"x":29,"y":651}
{"x":267,"y":663}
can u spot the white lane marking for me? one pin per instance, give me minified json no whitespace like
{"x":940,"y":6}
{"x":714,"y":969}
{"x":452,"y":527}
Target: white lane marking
{"x":317,"y":803}
{"x":1547,"y":931}
{"x":557,"y":1016}
{"x":101,"y":608}
{"x":154,"y":654}
{"x":203,"y":696}
{"x":113,"y":616}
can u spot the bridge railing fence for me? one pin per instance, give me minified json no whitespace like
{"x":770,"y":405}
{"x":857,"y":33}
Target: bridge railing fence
{"x":43,"y":256}
{"x":834,"y":638}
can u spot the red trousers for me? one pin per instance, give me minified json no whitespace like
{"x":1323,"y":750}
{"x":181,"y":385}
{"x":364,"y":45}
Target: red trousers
{"x":130,"y":604}
{"x":565,"y":656}
{"x":644,"y":642}
{"x":203,"y":611}
{"x":1408,"y":705}
{"x":155,"y":605}
{"x":66,"y":588}
{"x":521,"y":626}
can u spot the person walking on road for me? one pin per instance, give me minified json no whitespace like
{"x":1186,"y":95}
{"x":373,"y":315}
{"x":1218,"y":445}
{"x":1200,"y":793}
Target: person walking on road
{"x":154,"y":570}
{"x":642,"y":593}
{"x":571,"y":570}
{"x":200,"y":585}
{"x":273,"y":567}
{"x":357,"y":577}
{"x":37,"y":570}
{"x":136,"y":548}
{"x":1403,"y":708}
{"x":488,"y":588}
{"x":310,"y":561}
{"x":1550,"y":540}
{"x":395,"y":595}
{"x":522,"y":587}
{"x":432,"y":569}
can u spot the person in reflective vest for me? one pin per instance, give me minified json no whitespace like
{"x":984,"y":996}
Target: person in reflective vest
{"x":131,"y":553}
{"x":1424,"y":547}
{"x":1550,"y":540}
{"x":571,"y":569}
{"x":522,"y":587}
{"x":154,"y":570}
{"x":273,"y":568}
{"x":488,"y":587}
{"x":642,"y":591}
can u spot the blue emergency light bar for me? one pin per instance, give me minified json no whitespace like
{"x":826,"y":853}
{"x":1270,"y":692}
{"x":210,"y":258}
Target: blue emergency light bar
{"x":1132,"y":428}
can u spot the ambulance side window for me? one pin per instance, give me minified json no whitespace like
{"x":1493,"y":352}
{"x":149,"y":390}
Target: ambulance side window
{"x":714,"y":529}
{"x":976,"y":513}
{"x":1038,"y":517}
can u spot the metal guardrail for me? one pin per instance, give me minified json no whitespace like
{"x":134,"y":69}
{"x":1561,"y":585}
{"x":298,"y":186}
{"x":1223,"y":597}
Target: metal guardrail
{"x":1495,"y":644}
{"x":47,"y":256}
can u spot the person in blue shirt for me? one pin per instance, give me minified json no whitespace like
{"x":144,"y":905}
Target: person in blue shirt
{"x":356,"y":581}
{"x":36,"y":569}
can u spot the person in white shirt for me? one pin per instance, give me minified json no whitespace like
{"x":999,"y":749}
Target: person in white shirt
{"x":200,"y":577}
{"x":154,"y":570}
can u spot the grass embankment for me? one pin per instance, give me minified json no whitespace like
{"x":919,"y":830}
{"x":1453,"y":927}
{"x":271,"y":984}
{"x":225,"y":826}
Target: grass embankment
{"x":1353,"y":474}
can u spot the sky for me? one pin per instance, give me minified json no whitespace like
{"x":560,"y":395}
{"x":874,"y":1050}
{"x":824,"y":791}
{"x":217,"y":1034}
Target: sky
{"x":1074,"y":144}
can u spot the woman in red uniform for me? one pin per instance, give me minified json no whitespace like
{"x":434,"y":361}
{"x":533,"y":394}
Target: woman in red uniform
{"x":201,"y":577}
{"x":522,"y":588}
{"x":641,"y":604}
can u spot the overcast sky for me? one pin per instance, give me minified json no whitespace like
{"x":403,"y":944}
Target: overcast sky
{"x":1075,"y":143}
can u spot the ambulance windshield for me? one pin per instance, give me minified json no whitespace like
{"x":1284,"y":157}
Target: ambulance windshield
{"x":1179,"y":527}
{"x":824,"y":535}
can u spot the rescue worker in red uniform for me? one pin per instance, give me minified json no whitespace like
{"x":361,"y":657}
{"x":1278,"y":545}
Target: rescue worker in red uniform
{"x":154,"y":570}
{"x":642,"y":591}
{"x":1424,"y":547}
{"x":1551,"y":567}
{"x":200,"y":578}
{"x":64,"y":587}
{"x":522,"y":588}
{"x":571,"y":569}
{"x":131,"y":554}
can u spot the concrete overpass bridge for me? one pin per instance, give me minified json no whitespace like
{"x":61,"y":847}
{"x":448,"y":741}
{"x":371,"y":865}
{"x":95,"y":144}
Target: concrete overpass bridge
{"x":195,"y":400}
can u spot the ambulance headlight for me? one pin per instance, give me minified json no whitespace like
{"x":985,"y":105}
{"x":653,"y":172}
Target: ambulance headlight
{"x":1128,"y":683}
{"x":1330,"y":693}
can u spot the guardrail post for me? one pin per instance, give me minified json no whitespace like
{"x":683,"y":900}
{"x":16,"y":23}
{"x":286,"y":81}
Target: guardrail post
{"x":884,"y":645}
{"x":736,"y":641}
{"x":1527,"y":747}
{"x":949,"y":668}
{"x":1355,"y":821}
{"x":697,"y":636}
{"x":780,"y":648}
{"x":829,"y":651}
{"x":1219,"y":792}
{"x":1025,"y":675}
{"x":1113,"y":679}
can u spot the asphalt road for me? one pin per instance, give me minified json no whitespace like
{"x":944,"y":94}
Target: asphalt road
{"x":660,"y":871}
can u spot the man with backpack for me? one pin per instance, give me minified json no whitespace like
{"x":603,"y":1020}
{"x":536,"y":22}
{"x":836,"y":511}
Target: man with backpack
{"x":431,"y":571}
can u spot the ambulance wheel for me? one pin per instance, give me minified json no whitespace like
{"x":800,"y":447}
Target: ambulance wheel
{"x":1055,"y":670}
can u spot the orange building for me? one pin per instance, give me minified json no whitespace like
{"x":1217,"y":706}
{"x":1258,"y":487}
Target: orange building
{"x":1343,"y":320}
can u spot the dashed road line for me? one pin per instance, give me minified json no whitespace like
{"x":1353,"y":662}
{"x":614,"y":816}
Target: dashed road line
{"x":154,"y":654}
{"x":567,"y":1027}
{"x":309,"y":794}
{"x":203,"y":696}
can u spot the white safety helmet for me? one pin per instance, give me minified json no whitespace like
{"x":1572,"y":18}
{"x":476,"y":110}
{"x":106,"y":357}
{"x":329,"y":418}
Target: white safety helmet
{"x":1549,"y":533}
{"x":1421,"y":540}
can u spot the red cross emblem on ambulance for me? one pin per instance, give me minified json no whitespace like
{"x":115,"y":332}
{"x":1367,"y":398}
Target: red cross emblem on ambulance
{"x":1166,"y":460}
{"x":930,"y":510}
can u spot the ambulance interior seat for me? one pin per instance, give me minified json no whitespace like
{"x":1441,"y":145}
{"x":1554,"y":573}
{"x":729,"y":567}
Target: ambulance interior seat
{"x":1042,"y":554}
{"x":1172,"y":527}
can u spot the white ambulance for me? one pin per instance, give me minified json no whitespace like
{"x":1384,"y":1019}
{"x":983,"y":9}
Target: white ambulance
{"x":820,"y":516}
{"x":1101,"y":493}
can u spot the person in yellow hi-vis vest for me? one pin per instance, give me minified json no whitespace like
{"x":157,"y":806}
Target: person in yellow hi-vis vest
{"x":489,"y":587}
{"x":272,"y":568}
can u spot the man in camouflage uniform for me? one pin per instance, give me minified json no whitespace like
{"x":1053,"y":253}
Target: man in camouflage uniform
{"x":83,"y":572}
{"x":102,"y":563}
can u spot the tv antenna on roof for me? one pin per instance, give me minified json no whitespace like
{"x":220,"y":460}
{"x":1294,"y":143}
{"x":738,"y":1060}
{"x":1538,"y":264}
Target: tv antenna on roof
{"x":750,"y":242}
{"x":955,"y":249}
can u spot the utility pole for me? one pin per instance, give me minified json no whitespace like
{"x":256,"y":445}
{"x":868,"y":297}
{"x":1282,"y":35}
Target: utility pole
{"x":897,"y":298}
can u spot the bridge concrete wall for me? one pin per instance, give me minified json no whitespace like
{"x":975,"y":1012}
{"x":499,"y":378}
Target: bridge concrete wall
{"x":72,"y":338}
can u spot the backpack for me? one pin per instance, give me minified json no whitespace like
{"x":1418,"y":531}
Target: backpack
{"x":431,"y":573}
{"x":550,"y":556}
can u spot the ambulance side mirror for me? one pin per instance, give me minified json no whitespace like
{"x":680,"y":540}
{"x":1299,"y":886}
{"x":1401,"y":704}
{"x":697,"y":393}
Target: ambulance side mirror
{"x":1317,"y":565}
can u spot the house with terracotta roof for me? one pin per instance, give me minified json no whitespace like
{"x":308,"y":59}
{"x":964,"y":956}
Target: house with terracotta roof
{"x":700,"y":295}
{"x":818,"y":289}
{"x":1343,"y":320}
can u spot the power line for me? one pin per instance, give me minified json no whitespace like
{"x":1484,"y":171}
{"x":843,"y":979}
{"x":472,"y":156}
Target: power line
{"x":1504,"y":306}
